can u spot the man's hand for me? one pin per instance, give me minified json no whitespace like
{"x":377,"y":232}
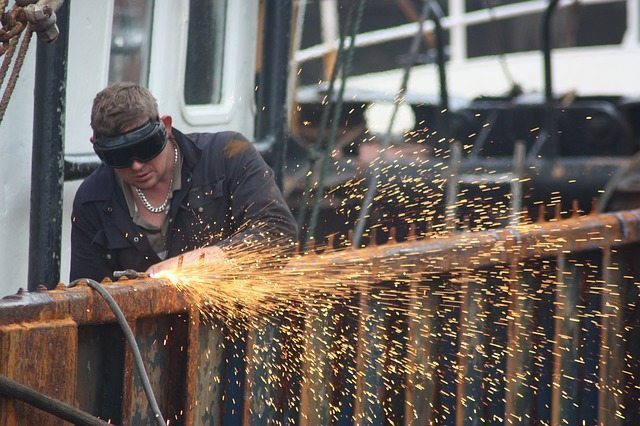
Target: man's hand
{"x":204,"y":256}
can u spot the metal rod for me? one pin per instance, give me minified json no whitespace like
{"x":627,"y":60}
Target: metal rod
{"x":296,"y":41}
{"x":374,"y":179}
{"x":436,"y":16}
{"x":329,"y":28}
{"x":473,"y":347}
{"x":611,"y":363}
{"x":549,"y":125}
{"x":453,"y":182}
{"x":519,"y":352}
{"x":79,"y":166}
{"x":564,"y":393}
{"x":357,"y":10}
{"x":271,"y":127}
{"x":315,"y":151}
{"x":12,"y":389}
{"x":47,"y":168}
{"x":422,"y":359}
{"x":516,"y":182}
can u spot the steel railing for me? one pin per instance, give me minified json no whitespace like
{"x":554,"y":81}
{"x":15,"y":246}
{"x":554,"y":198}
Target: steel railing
{"x":525,"y":325}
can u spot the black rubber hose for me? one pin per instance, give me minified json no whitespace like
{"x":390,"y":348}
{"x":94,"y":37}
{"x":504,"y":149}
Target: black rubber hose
{"x":122,"y":321}
{"x":15,"y":390}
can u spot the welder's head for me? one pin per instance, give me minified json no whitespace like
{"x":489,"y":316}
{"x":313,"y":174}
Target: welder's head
{"x":126,"y":125}
{"x":121,"y":107}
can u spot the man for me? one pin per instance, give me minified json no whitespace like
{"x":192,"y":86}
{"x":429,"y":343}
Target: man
{"x":162,"y":198}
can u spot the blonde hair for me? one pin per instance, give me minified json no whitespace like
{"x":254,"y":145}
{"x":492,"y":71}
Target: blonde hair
{"x":120,"y":106}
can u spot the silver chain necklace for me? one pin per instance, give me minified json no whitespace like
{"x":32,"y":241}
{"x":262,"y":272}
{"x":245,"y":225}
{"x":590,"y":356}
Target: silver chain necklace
{"x":162,"y":207}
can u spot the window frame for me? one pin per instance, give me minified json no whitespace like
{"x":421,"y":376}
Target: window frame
{"x":145,"y":71}
{"x":222,"y":112}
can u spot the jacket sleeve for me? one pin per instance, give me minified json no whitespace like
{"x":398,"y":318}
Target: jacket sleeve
{"x":87,"y":259}
{"x":257,"y":204}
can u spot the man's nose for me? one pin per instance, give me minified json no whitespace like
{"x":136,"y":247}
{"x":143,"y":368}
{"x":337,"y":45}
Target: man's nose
{"x":136,"y":165}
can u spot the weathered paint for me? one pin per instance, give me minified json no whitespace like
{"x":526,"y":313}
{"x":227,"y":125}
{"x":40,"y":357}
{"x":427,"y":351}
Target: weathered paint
{"x":77,"y":354}
{"x":41,"y":355}
{"x":423,"y":354}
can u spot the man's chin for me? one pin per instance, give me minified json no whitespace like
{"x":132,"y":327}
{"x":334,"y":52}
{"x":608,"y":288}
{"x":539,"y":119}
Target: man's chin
{"x":143,"y":182}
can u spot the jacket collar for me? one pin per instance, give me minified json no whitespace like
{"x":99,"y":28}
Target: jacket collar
{"x":191,"y":155}
{"x":190,"y":152}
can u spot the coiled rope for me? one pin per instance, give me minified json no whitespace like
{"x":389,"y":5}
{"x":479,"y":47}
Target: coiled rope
{"x":17,"y":26}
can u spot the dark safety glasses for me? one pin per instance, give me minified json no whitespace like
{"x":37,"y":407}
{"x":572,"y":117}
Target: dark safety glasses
{"x":142,"y":144}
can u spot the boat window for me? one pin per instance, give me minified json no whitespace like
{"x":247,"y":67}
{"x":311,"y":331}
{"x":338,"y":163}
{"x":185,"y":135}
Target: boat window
{"x":572,"y":26}
{"x":205,"y":45}
{"x":375,"y":57}
{"x":130,"y":41}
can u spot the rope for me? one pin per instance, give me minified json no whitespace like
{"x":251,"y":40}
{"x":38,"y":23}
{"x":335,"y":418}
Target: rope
{"x":15,"y":72}
{"x":336,"y":119}
{"x":10,"y":50}
{"x":18,"y":25}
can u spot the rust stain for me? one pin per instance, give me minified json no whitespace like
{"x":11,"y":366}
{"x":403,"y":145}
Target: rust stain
{"x":26,"y":356}
{"x":235,"y":147}
{"x":31,"y":324}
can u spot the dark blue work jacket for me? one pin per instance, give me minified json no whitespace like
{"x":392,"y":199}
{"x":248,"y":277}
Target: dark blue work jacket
{"x":228,"y":196}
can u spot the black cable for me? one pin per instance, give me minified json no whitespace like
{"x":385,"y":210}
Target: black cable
{"x":315,"y":152}
{"x":356,"y":19}
{"x":375,"y":175}
{"x":498,"y":42}
{"x":15,"y":390}
{"x":122,"y":321}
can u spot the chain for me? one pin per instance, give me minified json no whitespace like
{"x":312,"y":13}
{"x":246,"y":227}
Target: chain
{"x":162,"y":207}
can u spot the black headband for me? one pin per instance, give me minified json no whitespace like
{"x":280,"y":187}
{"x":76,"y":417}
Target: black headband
{"x":131,"y":137}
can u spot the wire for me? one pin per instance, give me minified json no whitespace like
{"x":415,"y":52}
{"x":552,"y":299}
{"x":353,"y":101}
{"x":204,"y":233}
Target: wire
{"x":386,"y":141}
{"x":358,"y":9}
{"x":13,"y":389}
{"x":500,"y":45}
{"x":315,"y":150}
{"x":122,"y":321}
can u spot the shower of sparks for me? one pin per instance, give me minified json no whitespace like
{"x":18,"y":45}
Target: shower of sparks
{"x":445,"y":326}
{"x":252,"y":283}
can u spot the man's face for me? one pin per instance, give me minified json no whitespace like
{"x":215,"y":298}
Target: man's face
{"x":146,"y":174}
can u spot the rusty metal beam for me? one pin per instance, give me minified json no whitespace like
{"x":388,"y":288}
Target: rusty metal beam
{"x":152,"y":297}
{"x":53,"y":374}
{"x":611,"y":362}
{"x":143,"y":301}
{"x":519,"y":355}
{"x":473,"y":250}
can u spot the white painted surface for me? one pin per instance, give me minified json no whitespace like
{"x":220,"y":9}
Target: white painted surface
{"x":15,"y":180}
{"x":587,"y":71}
{"x":87,"y":73}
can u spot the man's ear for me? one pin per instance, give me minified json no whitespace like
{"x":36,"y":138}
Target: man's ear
{"x":93,"y":138}
{"x":167,"y":121}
